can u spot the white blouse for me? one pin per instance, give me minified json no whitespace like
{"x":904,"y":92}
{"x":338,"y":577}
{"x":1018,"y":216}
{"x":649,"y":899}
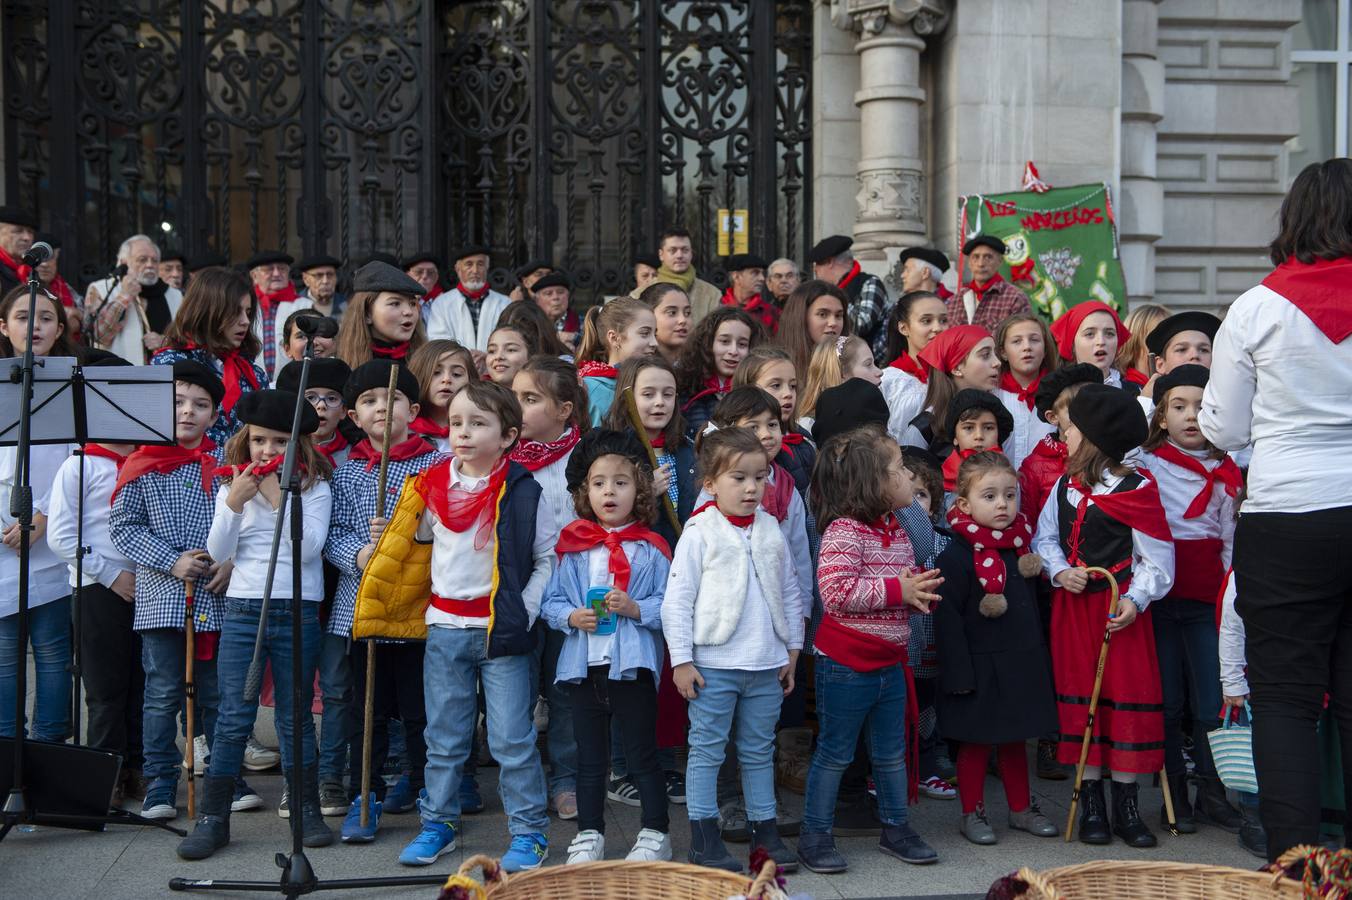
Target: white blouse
{"x":905,"y":396}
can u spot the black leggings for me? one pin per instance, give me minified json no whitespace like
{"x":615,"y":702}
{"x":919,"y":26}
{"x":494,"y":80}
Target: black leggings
{"x":398,"y":694}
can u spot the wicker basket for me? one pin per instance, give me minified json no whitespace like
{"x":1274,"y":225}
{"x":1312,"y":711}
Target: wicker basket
{"x":616,"y":880}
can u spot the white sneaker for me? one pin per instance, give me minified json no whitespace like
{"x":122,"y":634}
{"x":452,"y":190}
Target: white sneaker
{"x":590,"y":846}
{"x":651,"y":846}
{"x":258,"y":758}
{"x":201,"y":756}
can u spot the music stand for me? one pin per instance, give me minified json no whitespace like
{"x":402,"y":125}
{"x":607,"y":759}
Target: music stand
{"x":72,"y":404}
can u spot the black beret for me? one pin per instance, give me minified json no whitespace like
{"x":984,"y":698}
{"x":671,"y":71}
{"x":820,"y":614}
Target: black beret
{"x":912,"y":456}
{"x":274,"y":409}
{"x":207,"y":261}
{"x":469,"y":250}
{"x":93,"y":356}
{"x":556,"y":278}
{"x":533,"y":265}
{"x":1053,"y":383}
{"x":377,"y":276}
{"x":15,"y":216}
{"x":171,"y":253}
{"x":925,"y":254}
{"x":829,"y":248}
{"x":984,"y":240}
{"x":329,"y":373}
{"x":597,"y":443}
{"x":380,"y":256}
{"x":1109,"y":418}
{"x":47,"y":237}
{"x":319,"y":261}
{"x":268,"y":257}
{"x":1191,"y":375}
{"x":651,"y":260}
{"x":739,"y":261}
{"x":848,"y":405}
{"x":971,"y":398}
{"x":194,"y":372}
{"x":376,"y":374}
{"x":421,"y":256}
{"x":1158,"y":339}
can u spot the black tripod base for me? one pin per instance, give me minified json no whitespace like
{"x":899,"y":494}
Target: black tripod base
{"x":298,"y":878}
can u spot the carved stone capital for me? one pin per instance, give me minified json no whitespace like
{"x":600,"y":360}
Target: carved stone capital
{"x":892,"y":198}
{"x":870,"y":17}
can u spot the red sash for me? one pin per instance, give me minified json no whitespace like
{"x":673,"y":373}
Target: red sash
{"x":1198,"y":572}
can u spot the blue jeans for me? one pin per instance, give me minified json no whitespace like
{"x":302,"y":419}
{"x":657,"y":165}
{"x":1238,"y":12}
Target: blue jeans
{"x":848,"y":701}
{"x":235,"y":717}
{"x":162,"y":656}
{"x":750,"y":701}
{"x":456,"y":661}
{"x":49,"y":635}
{"x":560,"y":740}
{"x":337,"y":725}
{"x":1187,"y":646}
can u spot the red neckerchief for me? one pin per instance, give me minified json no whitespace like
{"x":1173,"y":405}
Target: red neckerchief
{"x":270,"y":301}
{"x":739,"y":521}
{"x":849,"y":276}
{"x":907,"y":364}
{"x":334,"y":445}
{"x":714,"y":385}
{"x":584,"y":534}
{"x":1139,"y":509}
{"x":1319,"y":290}
{"x":266,"y":469}
{"x":886,"y":528}
{"x":1135,"y":376}
{"x":473,"y":295}
{"x":386,"y":350}
{"x":659,"y":442}
{"x":779,"y":493}
{"x":1027,"y":394}
{"x":791,"y":439}
{"x":234,"y":369}
{"x":167,"y":459}
{"x":981,"y":289}
{"x":103,"y":452}
{"x":1227,"y":473}
{"x":535,"y":455}
{"x":425,"y":426}
{"x":19,"y":269}
{"x":986,"y":546}
{"x":459,"y":509}
{"x":954,"y":462}
{"x":592,"y":369}
{"x":407,"y":449}
{"x":433,"y":294}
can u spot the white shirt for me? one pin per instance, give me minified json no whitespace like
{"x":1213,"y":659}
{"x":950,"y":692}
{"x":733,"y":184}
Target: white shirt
{"x":449,"y":318}
{"x":460,"y":572}
{"x":1029,"y":427}
{"x":1152,"y":560}
{"x":104,"y":562}
{"x":1277,"y":381}
{"x":598,"y":574}
{"x":554,"y":491}
{"x":1178,"y":487}
{"x":1234,"y":682}
{"x":46,"y":571}
{"x":905,"y":397}
{"x":246,"y":538}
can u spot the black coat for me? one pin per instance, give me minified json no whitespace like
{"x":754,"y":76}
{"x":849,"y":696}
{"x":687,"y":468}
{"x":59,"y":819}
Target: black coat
{"x":1001,"y":661}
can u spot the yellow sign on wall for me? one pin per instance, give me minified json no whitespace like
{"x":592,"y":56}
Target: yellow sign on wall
{"x":732,"y":232}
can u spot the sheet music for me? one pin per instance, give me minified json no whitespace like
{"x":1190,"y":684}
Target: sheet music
{"x":122,"y":404}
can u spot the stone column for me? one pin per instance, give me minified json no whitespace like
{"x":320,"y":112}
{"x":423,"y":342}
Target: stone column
{"x":891,"y":200}
{"x":1141,"y":206}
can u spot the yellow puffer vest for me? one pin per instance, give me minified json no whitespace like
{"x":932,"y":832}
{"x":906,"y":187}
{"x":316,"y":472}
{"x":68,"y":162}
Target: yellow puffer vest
{"x":397,"y":583}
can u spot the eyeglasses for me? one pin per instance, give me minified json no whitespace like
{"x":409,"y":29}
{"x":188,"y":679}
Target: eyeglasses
{"x":332,"y":401}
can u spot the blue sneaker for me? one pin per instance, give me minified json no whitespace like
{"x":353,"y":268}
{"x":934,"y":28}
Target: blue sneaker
{"x":353,"y":833}
{"x":159,"y":800}
{"x":435,"y":839}
{"x":399,"y":798}
{"x":527,"y":851}
{"x":471,"y":801}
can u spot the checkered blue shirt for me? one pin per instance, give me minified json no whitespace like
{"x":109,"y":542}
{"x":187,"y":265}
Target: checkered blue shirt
{"x":226,"y":424}
{"x":354,"y":503}
{"x":154,"y":520}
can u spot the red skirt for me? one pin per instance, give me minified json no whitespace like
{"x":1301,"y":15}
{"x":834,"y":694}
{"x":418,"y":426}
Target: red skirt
{"x":1129,"y":722}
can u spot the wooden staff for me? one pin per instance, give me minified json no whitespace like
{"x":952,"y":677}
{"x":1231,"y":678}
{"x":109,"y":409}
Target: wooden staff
{"x":368,"y":717}
{"x":189,"y":692}
{"x":631,"y":407}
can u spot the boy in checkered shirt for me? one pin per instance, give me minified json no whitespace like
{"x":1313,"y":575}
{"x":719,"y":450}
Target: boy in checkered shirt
{"x":163,"y":503}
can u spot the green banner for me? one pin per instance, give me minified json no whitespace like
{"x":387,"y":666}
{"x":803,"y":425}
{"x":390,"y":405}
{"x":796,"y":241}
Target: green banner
{"x":1061,"y":244}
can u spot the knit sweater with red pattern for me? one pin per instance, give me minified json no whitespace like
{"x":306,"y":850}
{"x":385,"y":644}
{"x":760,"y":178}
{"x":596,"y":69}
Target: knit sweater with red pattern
{"x":859,"y":573}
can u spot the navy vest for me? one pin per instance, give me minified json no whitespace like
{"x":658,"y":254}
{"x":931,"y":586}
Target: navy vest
{"x":510,"y":634}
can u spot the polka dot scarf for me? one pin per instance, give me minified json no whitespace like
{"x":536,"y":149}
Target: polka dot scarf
{"x":987,"y":544}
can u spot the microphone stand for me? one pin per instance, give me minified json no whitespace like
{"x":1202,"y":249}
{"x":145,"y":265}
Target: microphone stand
{"x":298,"y":876}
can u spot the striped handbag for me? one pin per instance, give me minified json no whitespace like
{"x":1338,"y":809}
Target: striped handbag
{"x":1232,"y":752}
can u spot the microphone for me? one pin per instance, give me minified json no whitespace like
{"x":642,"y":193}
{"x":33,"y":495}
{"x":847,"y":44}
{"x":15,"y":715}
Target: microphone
{"x":317,"y":326}
{"x":38,"y":254}
{"x":120,"y":272}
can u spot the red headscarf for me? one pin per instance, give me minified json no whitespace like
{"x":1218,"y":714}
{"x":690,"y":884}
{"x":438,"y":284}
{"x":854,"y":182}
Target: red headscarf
{"x":1065,"y":328}
{"x":951,"y":346}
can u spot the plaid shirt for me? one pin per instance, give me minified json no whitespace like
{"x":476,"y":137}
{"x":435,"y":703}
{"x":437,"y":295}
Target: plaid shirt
{"x":869,"y":307}
{"x":226,"y":424}
{"x":1000,"y":301}
{"x":155,"y":520}
{"x":354,"y":503}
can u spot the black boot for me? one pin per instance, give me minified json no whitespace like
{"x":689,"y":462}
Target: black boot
{"x":314,"y":833}
{"x":818,"y":852}
{"x":1183,"y":815}
{"x":1127,"y":821}
{"x":1252,"y":837}
{"x":1213,"y":808}
{"x":766,"y":834}
{"x":706,"y":846}
{"x":1048,"y":769}
{"x":1093,"y":814}
{"x":856,"y":816}
{"x":212,"y":831}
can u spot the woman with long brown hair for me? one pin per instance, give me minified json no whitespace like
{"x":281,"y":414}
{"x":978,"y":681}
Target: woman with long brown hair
{"x":814,"y":311}
{"x":214,"y":327}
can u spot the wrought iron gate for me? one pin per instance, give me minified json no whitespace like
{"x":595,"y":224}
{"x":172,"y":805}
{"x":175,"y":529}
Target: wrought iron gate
{"x":572,"y":130}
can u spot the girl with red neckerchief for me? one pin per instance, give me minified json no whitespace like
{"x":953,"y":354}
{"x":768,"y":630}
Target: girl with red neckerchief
{"x":621,"y":329}
{"x":917,"y":318}
{"x":1027,"y":352}
{"x":442,"y":368}
{"x":383,"y":320}
{"x":710,"y":358}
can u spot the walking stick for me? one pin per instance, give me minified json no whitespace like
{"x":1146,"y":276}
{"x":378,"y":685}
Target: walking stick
{"x":189,"y":692}
{"x":631,"y":407}
{"x":368,"y":716}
